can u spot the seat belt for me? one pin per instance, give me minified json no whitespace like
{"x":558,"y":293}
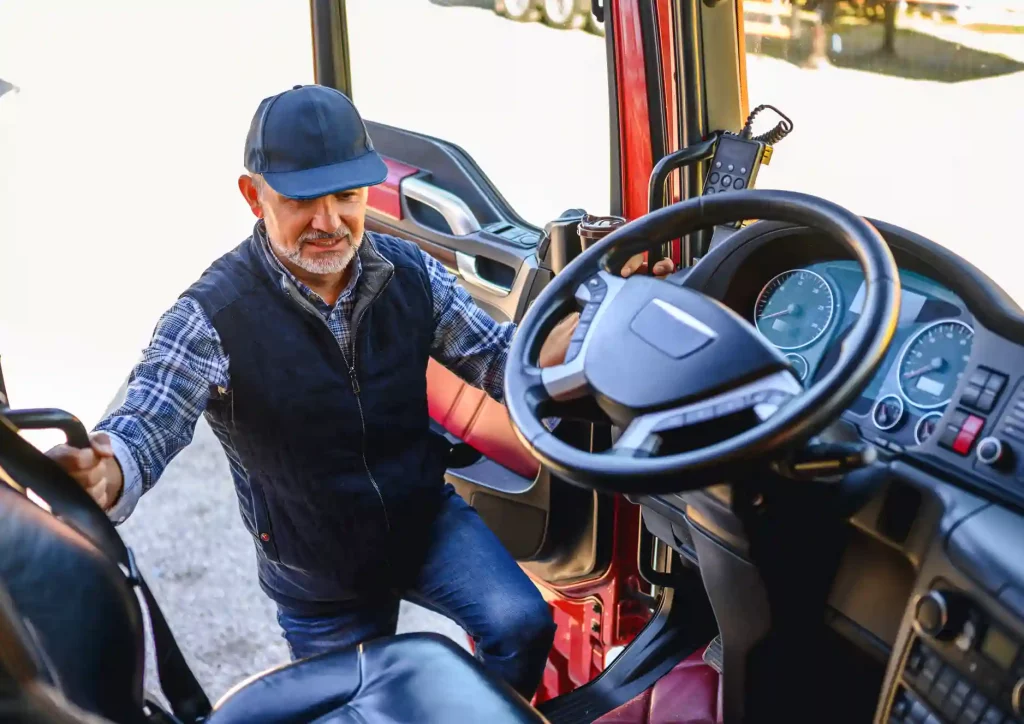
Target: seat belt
{"x":185,"y":695}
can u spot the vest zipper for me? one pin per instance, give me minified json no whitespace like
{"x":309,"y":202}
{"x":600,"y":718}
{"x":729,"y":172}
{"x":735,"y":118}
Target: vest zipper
{"x":355,"y":384}
{"x":355,"y":389}
{"x":362,"y":421}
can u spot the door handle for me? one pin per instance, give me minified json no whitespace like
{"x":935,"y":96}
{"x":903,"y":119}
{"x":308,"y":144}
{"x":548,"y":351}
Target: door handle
{"x":459,"y":216}
{"x":468,"y":271}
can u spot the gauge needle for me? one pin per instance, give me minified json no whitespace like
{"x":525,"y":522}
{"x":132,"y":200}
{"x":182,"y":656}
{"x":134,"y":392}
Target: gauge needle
{"x":788,"y":310}
{"x":935,"y":364}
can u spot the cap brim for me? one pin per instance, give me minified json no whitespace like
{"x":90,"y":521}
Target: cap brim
{"x":311,"y":183}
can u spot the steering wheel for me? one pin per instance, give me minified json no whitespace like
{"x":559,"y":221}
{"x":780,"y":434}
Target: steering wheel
{"x":658,"y":358}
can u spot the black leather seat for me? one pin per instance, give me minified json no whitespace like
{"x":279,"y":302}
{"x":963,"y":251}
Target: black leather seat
{"x":421,"y":677}
{"x":79,"y":627}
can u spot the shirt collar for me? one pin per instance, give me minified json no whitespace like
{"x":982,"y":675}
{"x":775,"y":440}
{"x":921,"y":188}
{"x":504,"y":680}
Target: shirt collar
{"x":308,"y":293}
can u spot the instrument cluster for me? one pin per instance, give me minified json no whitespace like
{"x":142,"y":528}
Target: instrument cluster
{"x":806,"y":313}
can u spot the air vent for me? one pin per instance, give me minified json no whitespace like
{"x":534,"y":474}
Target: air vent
{"x":1012,"y":424}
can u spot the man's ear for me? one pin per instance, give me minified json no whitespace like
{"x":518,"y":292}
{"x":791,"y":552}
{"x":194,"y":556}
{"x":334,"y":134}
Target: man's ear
{"x":251,"y":194}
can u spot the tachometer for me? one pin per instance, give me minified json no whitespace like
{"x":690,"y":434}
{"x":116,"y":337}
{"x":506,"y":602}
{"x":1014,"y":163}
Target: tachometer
{"x":794,"y":309}
{"x":933,"y":362}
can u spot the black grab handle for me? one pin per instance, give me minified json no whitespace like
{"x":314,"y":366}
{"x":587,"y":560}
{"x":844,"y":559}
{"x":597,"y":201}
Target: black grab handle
{"x":50,"y":418}
{"x":31,"y":469}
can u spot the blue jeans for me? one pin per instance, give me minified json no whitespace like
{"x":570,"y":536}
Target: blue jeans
{"x":468,"y":576}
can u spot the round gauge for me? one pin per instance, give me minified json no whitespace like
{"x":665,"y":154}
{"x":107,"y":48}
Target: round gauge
{"x":799,"y":365}
{"x":926,"y":427}
{"x":887,"y":412}
{"x":794,"y":309}
{"x":933,"y":362}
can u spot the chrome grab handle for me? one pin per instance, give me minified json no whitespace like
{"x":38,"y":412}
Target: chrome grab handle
{"x":459,"y":216}
{"x":469,"y":272}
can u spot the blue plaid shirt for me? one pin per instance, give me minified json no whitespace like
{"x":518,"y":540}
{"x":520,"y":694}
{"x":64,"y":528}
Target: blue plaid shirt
{"x":169,"y":388}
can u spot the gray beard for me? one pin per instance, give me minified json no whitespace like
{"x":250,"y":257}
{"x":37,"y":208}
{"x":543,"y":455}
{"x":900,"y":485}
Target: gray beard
{"x":331,"y":262}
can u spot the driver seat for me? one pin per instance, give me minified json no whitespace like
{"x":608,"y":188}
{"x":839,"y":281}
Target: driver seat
{"x":72,"y":649}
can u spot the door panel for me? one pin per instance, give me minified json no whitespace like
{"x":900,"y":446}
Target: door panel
{"x":436,"y":196}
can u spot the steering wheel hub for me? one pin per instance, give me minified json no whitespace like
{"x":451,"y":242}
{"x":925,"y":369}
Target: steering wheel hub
{"x":688,"y":347}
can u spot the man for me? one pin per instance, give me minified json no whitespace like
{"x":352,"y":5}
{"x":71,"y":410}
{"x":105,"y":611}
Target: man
{"x":306,"y":349}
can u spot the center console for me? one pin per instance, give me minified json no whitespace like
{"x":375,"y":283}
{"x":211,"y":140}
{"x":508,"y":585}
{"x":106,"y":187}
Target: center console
{"x":960,"y":664}
{"x":931,"y":586}
{"x":958,"y":657}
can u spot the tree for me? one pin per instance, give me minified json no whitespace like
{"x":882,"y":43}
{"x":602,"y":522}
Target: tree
{"x":892,"y":11}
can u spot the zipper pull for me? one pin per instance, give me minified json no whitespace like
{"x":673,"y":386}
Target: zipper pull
{"x":355,"y":381}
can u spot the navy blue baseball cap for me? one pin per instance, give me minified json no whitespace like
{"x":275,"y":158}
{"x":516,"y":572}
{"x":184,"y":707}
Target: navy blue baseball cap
{"x":310,"y":141}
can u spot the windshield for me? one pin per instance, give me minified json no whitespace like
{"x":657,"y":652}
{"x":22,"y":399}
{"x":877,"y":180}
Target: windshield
{"x":908,"y":113}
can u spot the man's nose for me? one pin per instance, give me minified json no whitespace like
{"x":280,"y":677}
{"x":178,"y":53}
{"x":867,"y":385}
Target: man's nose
{"x":327,"y":216}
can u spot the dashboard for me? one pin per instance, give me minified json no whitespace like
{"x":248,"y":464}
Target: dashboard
{"x":806,"y":312}
{"x":948,"y":395}
{"x":931,"y":584}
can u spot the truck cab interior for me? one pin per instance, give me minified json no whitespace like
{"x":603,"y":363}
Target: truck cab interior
{"x":784,"y":484}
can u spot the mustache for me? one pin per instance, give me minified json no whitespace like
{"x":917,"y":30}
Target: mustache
{"x":316,"y":235}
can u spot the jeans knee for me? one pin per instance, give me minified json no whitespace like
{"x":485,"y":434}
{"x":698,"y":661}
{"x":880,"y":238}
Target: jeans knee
{"x":529,"y":626}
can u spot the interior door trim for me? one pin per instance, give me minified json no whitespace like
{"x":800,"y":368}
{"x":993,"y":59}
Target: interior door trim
{"x":386,"y":198}
{"x":456,"y":213}
{"x":466,"y":264}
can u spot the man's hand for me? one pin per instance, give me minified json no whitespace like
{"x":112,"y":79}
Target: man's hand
{"x":552,"y":352}
{"x":94,"y":468}
{"x":637,"y":264}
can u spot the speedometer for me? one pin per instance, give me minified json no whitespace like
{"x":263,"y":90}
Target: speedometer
{"x":794,"y":309}
{"x":933,"y":362}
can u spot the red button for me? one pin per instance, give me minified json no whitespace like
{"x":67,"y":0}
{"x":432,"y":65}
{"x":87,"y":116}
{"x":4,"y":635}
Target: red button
{"x":973,"y":425}
{"x":963,"y":443}
{"x":968,"y":432}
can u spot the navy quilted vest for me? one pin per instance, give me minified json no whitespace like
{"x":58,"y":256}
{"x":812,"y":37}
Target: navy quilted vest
{"x":337,"y":472}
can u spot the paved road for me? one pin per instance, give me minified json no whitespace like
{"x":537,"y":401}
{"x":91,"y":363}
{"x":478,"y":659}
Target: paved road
{"x":117,"y":160}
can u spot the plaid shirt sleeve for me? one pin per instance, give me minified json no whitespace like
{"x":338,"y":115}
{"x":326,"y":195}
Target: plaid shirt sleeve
{"x":167,"y":392}
{"x":467,"y":340}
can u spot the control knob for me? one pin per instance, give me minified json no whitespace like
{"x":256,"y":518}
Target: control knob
{"x":993,"y":452}
{"x":939,"y":614}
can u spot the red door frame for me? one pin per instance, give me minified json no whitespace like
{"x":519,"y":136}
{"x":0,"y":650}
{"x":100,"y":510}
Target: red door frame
{"x":593,"y":617}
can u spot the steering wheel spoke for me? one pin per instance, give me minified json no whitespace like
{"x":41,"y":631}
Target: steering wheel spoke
{"x":763,"y":397}
{"x":568,"y":381}
{"x":565,"y":381}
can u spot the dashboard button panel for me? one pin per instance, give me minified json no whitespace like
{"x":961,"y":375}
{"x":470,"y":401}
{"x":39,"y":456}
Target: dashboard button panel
{"x":996,"y":382}
{"x":961,"y":666}
{"x":971,"y":395}
{"x":983,"y":389}
{"x":959,"y":436}
{"x":909,"y":709}
{"x":986,"y":402}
